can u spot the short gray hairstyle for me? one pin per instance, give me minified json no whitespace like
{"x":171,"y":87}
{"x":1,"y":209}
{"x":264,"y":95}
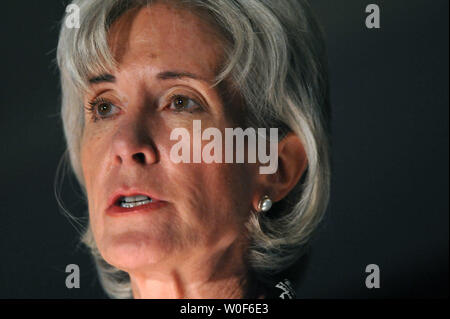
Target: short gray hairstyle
{"x":275,"y":58}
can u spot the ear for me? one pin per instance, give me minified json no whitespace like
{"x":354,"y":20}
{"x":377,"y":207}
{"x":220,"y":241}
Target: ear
{"x":292,"y":163}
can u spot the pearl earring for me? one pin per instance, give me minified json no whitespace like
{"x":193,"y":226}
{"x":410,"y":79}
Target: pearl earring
{"x":264,"y":204}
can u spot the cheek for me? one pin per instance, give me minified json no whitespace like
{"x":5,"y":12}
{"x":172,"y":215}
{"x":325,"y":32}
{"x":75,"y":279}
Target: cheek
{"x":213,"y":195}
{"x":209,"y":195}
{"x":93,"y":152}
{"x":91,"y":159}
{"x":88,"y":152}
{"x":233,"y":187}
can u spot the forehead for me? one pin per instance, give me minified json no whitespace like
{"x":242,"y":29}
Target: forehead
{"x":164,"y":35}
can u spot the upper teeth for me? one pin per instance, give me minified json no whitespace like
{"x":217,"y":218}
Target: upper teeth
{"x":131,"y":199}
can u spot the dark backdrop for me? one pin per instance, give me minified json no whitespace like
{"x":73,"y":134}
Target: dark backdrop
{"x":389,"y":201}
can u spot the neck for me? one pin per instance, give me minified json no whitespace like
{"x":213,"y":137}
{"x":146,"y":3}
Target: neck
{"x":222,"y":275}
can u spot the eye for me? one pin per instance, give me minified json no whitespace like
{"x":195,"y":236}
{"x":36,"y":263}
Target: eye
{"x":101,"y":109}
{"x":181,"y":103}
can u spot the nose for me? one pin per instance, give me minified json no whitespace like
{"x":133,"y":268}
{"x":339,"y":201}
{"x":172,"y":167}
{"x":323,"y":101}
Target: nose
{"x":132,"y":145}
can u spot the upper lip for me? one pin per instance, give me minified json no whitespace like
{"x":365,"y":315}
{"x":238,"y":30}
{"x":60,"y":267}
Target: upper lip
{"x":130,"y":191}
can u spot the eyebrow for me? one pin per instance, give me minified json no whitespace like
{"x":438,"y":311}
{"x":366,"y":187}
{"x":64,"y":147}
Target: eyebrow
{"x":166,"y":75}
{"x":169,"y":75}
{"x":103,"y":78}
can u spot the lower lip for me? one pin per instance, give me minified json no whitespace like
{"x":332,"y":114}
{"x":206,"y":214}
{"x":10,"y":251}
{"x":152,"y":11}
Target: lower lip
{"x":117,"y":210}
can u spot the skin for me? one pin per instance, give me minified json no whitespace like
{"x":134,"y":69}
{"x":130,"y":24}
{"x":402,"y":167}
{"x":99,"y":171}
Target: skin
{"x":194,"y":246}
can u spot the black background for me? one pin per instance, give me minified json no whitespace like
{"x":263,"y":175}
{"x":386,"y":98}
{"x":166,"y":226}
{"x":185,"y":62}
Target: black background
{"x":389,"y":200}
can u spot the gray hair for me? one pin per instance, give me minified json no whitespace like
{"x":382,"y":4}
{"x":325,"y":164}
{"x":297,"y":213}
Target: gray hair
{"x":276,"y":60}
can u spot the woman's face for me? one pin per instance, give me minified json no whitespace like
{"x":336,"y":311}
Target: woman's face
{"x":199,"y":209}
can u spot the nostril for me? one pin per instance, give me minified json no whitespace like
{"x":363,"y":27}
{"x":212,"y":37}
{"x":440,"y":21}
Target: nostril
{"x":139,"y":157}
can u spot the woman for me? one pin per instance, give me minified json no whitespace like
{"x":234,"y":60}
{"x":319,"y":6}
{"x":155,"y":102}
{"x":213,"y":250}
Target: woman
{"x":137,"y":72}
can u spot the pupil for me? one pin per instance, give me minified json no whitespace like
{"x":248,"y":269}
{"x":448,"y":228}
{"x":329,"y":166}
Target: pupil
{"x":104,"y":108}
{"x":180,"y":101}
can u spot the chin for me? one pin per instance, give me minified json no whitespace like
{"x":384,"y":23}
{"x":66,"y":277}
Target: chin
{"x":132,"y":251}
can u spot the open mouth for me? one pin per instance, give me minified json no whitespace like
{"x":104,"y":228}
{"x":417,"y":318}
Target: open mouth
{"x":133,"y":201}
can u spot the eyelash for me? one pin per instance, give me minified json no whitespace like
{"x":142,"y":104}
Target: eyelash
{"x":92,"y":105}
{"x":91,"y":108}
{"x":175,"y":96}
